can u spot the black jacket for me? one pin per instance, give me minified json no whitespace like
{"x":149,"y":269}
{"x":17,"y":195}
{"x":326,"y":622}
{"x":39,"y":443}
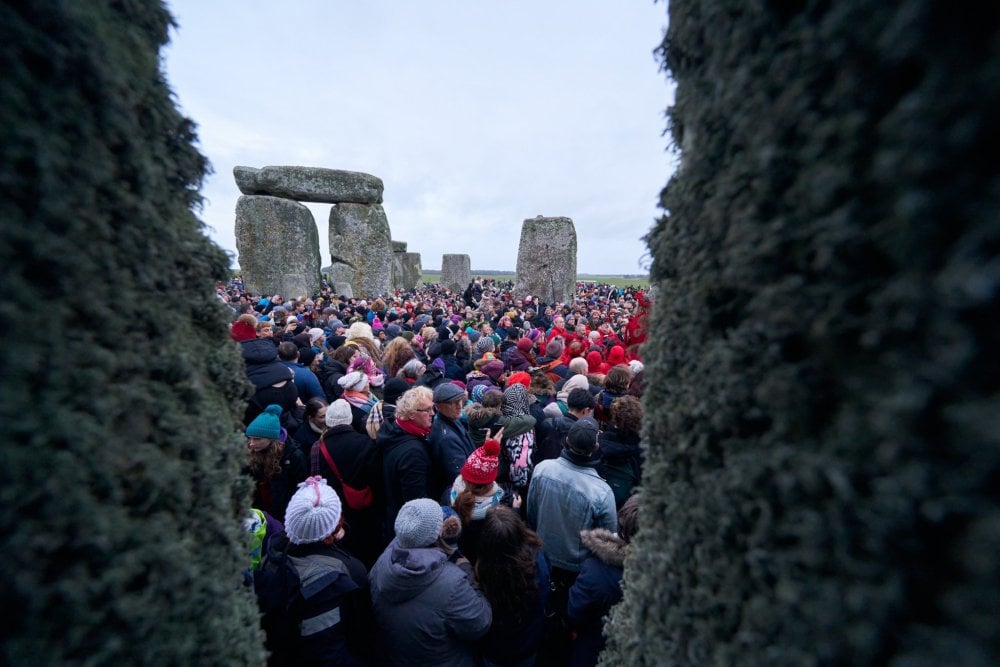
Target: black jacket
{"x":406,"y":467}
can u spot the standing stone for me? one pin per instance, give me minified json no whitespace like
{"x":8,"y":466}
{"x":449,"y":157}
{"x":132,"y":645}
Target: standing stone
{"x":546,"y":259}
{"x":410,"y":270}
{"x":406,"y":270}
{"x":312,"y":184}
{"x":361,"y":248}
{"x":456,"y":272}
{"x":278,"y":246}
{"x":344,"y":289}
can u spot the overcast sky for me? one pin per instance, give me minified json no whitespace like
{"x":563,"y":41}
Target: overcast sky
{"x":476,"y":115}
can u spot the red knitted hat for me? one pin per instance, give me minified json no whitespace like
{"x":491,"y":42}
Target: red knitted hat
{"x":243,"y":331}
{"x":519,"y":378}
{"x":481,"y":466}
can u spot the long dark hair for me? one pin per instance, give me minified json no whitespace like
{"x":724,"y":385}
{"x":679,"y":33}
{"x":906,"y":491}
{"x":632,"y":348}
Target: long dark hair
{"x":508,"y":550}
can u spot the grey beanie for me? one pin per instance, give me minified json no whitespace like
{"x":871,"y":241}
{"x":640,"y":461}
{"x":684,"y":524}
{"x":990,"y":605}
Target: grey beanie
{"x":418,"y":523}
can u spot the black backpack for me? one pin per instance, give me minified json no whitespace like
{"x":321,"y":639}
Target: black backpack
{"x":277,"y":585}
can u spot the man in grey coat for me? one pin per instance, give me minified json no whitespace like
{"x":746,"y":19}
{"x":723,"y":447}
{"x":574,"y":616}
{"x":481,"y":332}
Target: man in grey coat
{"x":427,"y":609}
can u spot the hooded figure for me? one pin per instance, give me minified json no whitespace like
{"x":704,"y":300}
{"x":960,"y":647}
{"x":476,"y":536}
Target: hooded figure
{"x":426,"y":608}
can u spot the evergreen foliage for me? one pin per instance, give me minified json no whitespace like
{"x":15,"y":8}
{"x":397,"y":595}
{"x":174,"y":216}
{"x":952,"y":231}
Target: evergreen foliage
{"x":824,"y":401}
{"x":120,"y":508}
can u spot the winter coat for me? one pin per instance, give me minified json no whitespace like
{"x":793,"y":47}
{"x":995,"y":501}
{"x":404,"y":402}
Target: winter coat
{"x":358,"y":461}
{"x":328,"y":376}
{"x":620,"y":462}
{"x":426,"y":609}
{"x":450,"y":446}
{"x":406,"y":467}
{"x":260,"y":357}
{"x":273,"y":495}
{"x":453,"y":367}
{"x":519,"y":361}
{"x":332,"y":607}
{"x":555,"y":430}
{"x":595,"y":591}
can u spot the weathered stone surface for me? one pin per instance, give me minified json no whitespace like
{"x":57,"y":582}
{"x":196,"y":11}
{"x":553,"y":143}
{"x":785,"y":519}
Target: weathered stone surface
{"x":546,"y":259}
{"x":406,"y":270}
{"x":399,"y":246}
{"x":456,"y":271}
{"x":345,"y":289}
{"x":278,"y":246}
{"x":361,"y":248}
{"x":312,"y":184}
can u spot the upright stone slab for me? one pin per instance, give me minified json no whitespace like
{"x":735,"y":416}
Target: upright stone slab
{"x":456,"y":271}
{"x":361,"y":248}
{"x":406,"y":270}
{"x":546,"y":259}
{"x":278,"y":246}
{"x":410,"y":270}
{"x":344,"y":289}
{"x":313,"y":184}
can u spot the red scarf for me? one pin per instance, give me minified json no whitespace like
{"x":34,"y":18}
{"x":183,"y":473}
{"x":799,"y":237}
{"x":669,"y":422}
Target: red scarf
{"x":413,"y":428}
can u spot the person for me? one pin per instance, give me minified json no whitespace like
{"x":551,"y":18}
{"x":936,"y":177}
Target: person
{"x":475,"y":491}
{"x":598,"y":587}
{"x":395,"y":356}
{"x":566,"y":496}
{"x":273,"y":381}
{"x":358,"y":466}
{"x":513,"y":573}
{"x":313,"y":424}
{"x":299,"y":361}
{"x":621,"y":454}
{"x":517,"y":449}
{"x":406,"y":458}
{"x":275,"y":462}
{"x":616,"y":385}
{"x":329,"y":613}
{"x":428,"y":611}
{"x":521,"y":358}
{"x":449,"y":438}
{"x":385,"y":410}
{"x":452,"y":366}
{"x":357,"y":392}
{"x":579,"y":404}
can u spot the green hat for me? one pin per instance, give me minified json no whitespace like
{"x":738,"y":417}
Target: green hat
{"x":266,"y":424}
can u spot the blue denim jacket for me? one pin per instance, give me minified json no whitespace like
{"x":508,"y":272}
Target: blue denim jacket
{"x":563,"y":499}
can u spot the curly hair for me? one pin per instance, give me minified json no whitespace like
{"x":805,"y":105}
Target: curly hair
{"x":407,"y":403}
{"x":626,"y":414}
{"x":618,"y":379}
{"x":508,"y":552}
{"x":266,"y":463}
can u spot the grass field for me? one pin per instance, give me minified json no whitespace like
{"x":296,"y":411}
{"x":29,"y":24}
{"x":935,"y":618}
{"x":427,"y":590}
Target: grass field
{"x":618,"y":281}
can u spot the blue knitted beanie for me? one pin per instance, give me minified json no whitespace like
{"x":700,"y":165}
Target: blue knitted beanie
{"x":266,"y":424}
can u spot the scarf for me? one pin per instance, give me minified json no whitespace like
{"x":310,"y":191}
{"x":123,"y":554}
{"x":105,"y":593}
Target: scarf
{"x":413,"y":428}
{"x":359,"y":399}
{"x":483,"y":503}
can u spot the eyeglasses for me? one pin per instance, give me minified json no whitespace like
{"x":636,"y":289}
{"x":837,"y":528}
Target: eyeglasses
{"x":430,"y":409}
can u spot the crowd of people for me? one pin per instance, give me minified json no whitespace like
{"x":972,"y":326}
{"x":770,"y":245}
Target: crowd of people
{"x":441,"y":478}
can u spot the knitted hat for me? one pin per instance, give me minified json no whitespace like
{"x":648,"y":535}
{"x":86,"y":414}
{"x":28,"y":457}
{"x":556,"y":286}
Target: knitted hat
{"x":266,"y":424}
{"x":393,"y":389}
{"x":243,"y":331}
{"x":339,"y":413}
{"x":515,"y":400}
{"x":636,"y":366}
{"x":494,"y":369}
{"x":354,"y":381}
{"x":447,"y":391}
{"x":482,"y":464}
{"x":306,"y":355}
{"x":447,"y":347}
{"x":392,"y":331}
{"x":519,"y":378}
{"x":418,"y":523}
{"x":479,"y":391}
{"x":313,"y":513}
{"x":582,"y":435}
{"x":473,"y":335}
{"x":524,"y":344}
{"x":315,"y":334}
{"x":484,"y":345}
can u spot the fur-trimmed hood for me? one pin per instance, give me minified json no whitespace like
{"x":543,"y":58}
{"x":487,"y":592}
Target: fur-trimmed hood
{"x":607,"y":546}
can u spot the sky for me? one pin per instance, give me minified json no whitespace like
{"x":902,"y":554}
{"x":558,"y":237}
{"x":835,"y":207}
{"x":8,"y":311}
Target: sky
{"x":475,"y":115}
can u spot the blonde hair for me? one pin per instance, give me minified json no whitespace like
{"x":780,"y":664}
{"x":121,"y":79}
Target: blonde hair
{"x":406,"y":406}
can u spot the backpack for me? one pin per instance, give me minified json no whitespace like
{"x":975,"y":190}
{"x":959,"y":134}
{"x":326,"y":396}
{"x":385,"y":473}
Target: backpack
{"x":276,"y":584}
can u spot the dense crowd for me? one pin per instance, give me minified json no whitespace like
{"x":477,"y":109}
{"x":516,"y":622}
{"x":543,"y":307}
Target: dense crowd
{"x":441,"y":478}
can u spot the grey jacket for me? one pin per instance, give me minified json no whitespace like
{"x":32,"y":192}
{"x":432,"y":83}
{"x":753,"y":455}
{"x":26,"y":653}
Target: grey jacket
{"x":426,"y":608}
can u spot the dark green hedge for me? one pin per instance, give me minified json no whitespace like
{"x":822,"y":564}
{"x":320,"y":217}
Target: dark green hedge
{"x":822,"y":481}
{"x":119,"y":507}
